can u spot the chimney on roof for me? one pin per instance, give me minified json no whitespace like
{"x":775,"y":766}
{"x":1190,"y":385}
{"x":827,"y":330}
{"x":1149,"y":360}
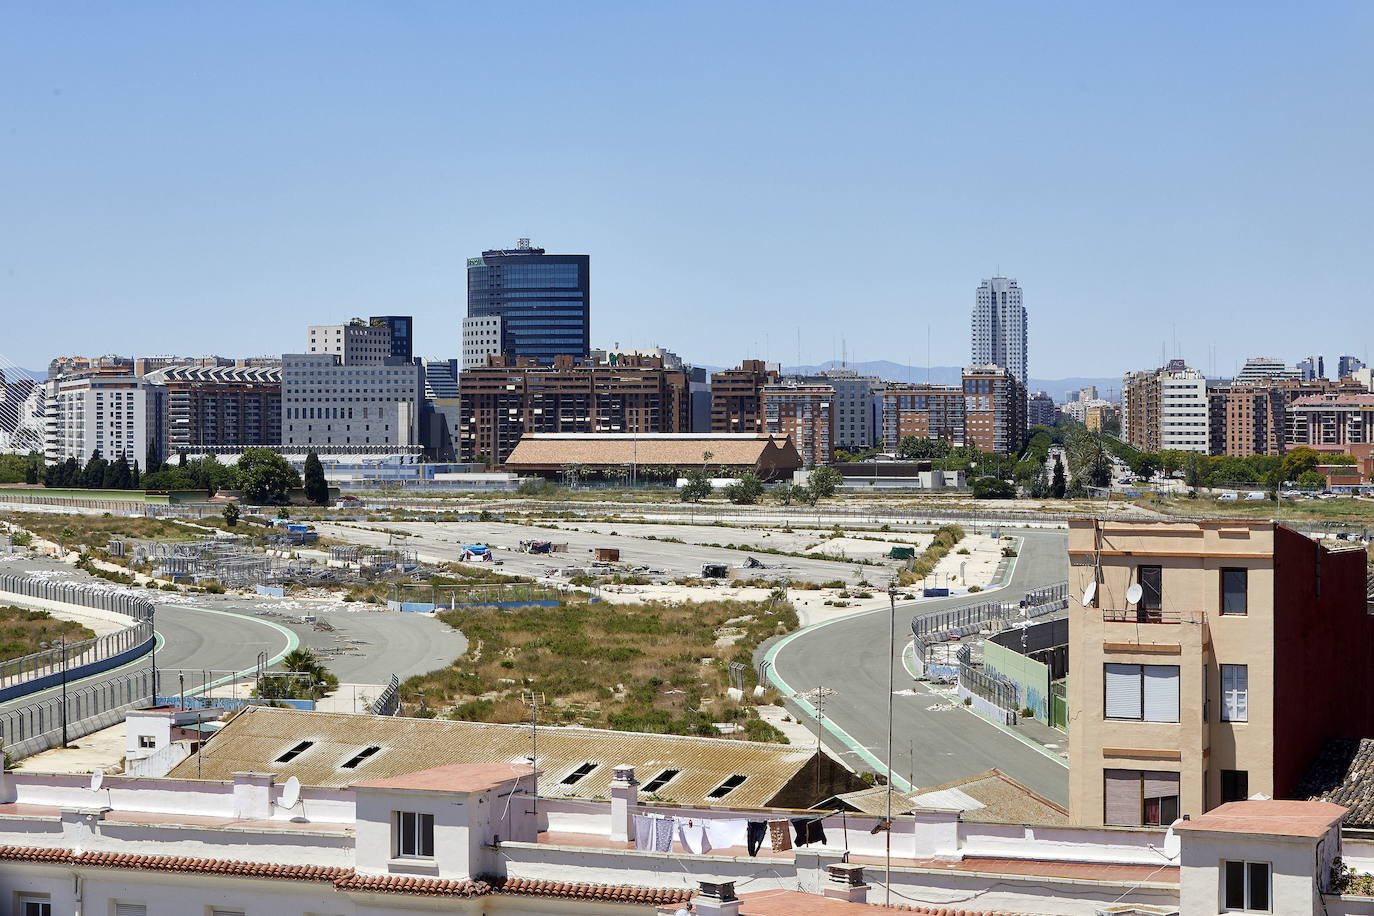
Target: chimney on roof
{"x":715,"y":897}
{"x":624,"y":801}
{"x":845,"y":881}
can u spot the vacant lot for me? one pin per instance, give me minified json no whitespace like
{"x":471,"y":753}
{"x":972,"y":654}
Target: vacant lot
{"x":1341,"y":509}
{"x":72,"y":531}
{"x":654,"y":667}
{"x":22,"y":630}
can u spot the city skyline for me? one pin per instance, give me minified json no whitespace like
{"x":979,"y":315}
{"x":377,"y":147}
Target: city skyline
{"x":241,"y":187}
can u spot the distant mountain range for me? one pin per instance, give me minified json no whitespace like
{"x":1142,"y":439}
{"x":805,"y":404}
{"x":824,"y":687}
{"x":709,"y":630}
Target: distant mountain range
{"x":950,"y":375}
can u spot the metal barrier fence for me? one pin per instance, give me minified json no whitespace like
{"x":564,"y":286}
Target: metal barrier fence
{"x":135,"y":606}
{"x":38,"y":726}
{"x":930,"y":629}
{"x":388,"y":702}
{"x":994,"y":690}
{"x":52,"y":661}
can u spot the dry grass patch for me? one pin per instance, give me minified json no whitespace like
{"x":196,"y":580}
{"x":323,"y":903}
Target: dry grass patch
{"x":21,"y":630}
{"x":653,"y":667}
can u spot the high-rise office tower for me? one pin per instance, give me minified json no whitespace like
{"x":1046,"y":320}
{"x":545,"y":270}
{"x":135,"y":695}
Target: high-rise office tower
{"x":1312,"y":368}
{"x":999,"y":327}
{"x":525,"y":303}
{"x":1347,"y":366}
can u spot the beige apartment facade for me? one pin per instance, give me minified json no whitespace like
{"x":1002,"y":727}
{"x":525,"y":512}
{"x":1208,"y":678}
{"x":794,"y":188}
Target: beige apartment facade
{"x":1199,"y":692}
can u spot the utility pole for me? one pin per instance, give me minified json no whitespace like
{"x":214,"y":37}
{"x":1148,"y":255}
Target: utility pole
{"x":533,"y":700}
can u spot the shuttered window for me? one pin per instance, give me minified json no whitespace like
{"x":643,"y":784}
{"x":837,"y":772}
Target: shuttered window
{"x":1160,"y":693}
{"x":1132,"y":798}
{"x":1122,"y":691}
{"x":130,"y":909}
{"x":1235,"y":693}
{"x":1142,"y":692}
{"x":1121,"y":795}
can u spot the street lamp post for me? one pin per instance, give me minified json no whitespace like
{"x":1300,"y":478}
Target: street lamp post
{"x":891,"y":643}
{"x":61,"y":645}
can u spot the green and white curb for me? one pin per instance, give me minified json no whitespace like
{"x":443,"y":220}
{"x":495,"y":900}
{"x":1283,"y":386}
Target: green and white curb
{"x":836,"y":731}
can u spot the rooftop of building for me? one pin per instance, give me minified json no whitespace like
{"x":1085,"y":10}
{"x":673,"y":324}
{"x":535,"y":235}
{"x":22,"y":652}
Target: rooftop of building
{"x":1334,"y":399}
{"x":456,"y":777}
{"x":679,"y":449}
{"x":321,"y":749}
{"x":1343,"y":773}
{"x":990,"y":797}
{"x":1268,"y":817}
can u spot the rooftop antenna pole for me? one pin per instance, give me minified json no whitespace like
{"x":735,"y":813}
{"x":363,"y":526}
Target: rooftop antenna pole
{"x":891,"y":641}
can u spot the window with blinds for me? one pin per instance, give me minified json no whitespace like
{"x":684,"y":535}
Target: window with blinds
{"x":1235,"y":693}
{"x":130,"y":909}
{"x":1147,"y":693}
{"x":1133,"y":798}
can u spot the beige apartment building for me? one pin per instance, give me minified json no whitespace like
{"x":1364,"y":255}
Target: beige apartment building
{"x":1246,"y":646}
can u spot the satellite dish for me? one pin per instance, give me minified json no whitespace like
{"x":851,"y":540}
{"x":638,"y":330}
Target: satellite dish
{"x":1134,"y":593}
{"x":1089,"y":594}
{"x":1171,"y":841}
{"x":97,"y":780}
{"x":291,"y":793}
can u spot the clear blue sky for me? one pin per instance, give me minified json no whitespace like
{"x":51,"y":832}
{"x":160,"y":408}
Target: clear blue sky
{"x":214,"y":177}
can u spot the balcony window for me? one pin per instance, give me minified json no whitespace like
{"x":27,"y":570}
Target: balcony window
{"x":1151,"y":579}
{"x":1234,"y":591}
{"x":1235,"y":785}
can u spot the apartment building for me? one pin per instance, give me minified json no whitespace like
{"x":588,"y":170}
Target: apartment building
{"x":923,"y":411}
{"x":115,"y":414}
{"x":328,"y":401}
{"x":1211,"y":661}
{"x":737,"y":397}
{"x":805,"y":413}
{"x":1263,"y":368}
{"x":1333,"y":419}
{"x":1040,"y":409}
{"x":1166,"y":409}
{"x":1254,"y":419}
{"x":358,"y":343}
{"x":1096,"y":416}
{"x":994,"y":410}
{"x":213,"y":406}
{"x":510,"y":397}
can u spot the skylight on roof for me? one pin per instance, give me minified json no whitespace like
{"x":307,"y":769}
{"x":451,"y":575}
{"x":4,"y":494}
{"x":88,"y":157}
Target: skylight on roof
{"x":660,"y":780}
{"x":357,"y":759}
{"x":725,"y":788}
{"x":295,"y":752}
{"x":576,"y":775}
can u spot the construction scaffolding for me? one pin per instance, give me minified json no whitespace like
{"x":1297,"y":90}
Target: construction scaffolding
{"x":375,"y":562}
{"x":227,"y":562}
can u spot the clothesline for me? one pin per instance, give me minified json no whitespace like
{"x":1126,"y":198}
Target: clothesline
{"x":696,"y":835}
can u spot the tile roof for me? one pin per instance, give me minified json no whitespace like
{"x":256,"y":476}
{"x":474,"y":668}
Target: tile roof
{"x":990,"y":797}
{"x":1271,"y":817}
{"x":546,"y":450}
{"x":346,"y":879}
{"x":255,"y":738}
{"x":456,"y":777}
{"x":797,"y":903}
{"x":1343,"y":773}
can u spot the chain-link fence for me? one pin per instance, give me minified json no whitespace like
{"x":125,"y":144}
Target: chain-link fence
{"x":997,"y":691}
{"x":942,"y":626}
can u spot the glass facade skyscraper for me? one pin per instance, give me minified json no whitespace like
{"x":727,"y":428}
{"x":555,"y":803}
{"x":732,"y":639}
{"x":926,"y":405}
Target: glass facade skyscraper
{"x":543,"y":301}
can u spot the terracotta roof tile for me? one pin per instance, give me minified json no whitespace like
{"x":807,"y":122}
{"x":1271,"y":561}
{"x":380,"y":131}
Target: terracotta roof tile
{"x":407,"y":884}
{"x":34,"y":854}
{"x":345,"y":879}
{"x":210,"y":866}
{"x":611,"y":893}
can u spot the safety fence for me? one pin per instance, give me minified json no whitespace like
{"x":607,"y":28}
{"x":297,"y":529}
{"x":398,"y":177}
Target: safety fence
{"x":75,"y":658}
{"x":388,"y":702}
{"x":100,"y":597}
{"x":40,"y":725}
{"x":930,"y":630}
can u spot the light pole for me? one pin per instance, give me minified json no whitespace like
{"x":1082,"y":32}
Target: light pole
{"x":61,"y":645}
{"x":891,"y":642}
